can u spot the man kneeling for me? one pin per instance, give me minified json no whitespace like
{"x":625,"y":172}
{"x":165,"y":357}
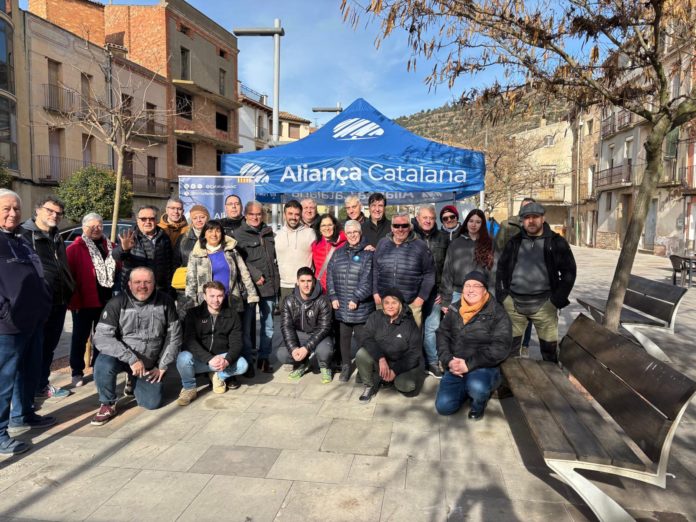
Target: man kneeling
{"x":138,"y":333}
{"x":306,"y":325}
{"x":212,"y":344}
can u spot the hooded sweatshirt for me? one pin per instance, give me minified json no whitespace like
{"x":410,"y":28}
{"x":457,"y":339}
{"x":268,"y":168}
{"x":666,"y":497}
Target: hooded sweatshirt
{"x":293,"y":251}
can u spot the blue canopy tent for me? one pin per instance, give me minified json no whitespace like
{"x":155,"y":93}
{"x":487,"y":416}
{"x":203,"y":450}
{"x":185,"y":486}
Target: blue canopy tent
{"x":361,"y":151}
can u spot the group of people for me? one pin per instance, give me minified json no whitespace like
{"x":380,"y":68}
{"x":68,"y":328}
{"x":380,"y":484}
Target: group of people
{"x":397,"y":298}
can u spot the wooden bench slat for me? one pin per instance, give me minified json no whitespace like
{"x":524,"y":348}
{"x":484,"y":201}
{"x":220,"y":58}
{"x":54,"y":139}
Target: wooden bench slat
{"x":666,"y":292}
{"x":649,"y":304}
{"x":597,"y":309}
{"x":587,"y":448}
{"x":548,"y":436}
{"x":615,"y":446}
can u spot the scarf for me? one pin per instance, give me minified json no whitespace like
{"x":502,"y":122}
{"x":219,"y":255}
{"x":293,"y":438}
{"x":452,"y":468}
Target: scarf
{"x":467,"y":311}
{"x":105,"y":268}
{"x":213,"y":249}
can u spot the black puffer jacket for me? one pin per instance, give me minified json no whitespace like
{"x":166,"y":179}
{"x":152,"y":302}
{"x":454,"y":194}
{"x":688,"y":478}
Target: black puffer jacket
{"x":158,"y":257}
{"x":206,"y":338}
{"x":183,"y":247}
{"x":560,"y":265}
{"x":312,"y":316}
{"x":408,"y":267}
{"x":258,"y":251}
{"x":483,"y":342}
{"x":230,"y":225}
{"x":458,"y":263}
{"x":400,"y":342}
{"x":51,"y":251}
{"x":437,"y":242}
{"x":349,"y":278}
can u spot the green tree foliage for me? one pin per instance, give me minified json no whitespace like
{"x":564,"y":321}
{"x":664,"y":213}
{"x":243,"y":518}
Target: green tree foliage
{"x":5,"y":177}
{"x":92,"y":189}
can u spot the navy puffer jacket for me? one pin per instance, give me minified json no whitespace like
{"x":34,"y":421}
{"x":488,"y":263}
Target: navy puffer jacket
{"x":349,"y":278}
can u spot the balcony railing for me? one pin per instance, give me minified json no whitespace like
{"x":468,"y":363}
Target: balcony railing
{"x":584,"y":191}
{"x":608,"y":126}
{"x":671,"y":175}
{"x":148,"y":184}
{"x":52,"y":169}
{"x":252,"y":94}
{"x":60,"y":99}
{"x":619,"y":175}
{"x":150,"y":129}
{"x":554,"y":193}
{"x":261,"y":133}
{"x":624,"y":119}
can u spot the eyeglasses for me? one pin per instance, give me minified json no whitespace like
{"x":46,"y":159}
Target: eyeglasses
{"x":451,"y":217}
{"x":473,"y":287}
{"x":147,"y":219}
{"x":353,"y":233}
{"x":400,"y":225}
{"x":57,"y":213}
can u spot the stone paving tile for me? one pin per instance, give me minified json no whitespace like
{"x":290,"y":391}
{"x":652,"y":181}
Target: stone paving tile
{"x":75,"y":450}
{"x":281,"y":389}
{"x":538,"y":485}
{"x":236,"y":460}
{"x":165,"y":456}
{"x":378,"y":471}
{"x":286,"y":432}
{"x":472,"y":507}
{"x":419,"y":416}
{"x":230,"y":401}
{"x":62,"y":492}
{"x":347,"y":410}
{"x":12,"y":470}
{"x":410,"y":443}
{"x":287,"y":405}
{"x":339,"y":392}
{"x":328,"y":503}
{"x":311,"y":466}
{"x":359,"y":437}
{"x":456,"y":479}
{"x":237,"y":498}
{"x":423,"y":505}
{"x":152,"y":495}
{"x":482,"y":442}
{"x":172,"y":423}
{"x":223,"y":429}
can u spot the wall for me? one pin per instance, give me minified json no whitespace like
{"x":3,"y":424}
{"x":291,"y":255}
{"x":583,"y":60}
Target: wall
{"x":81,"y":17}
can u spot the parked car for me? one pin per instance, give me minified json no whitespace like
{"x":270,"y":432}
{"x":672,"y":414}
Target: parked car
{"x":71,"y":234}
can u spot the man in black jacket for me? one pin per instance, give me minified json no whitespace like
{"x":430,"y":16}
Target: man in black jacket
{"x":42,"y":234}
{"x":377,"y":226}
{"x":306,"y":323}
{"x":233,"y":215}
{"x":212,"y":345}
{"x":536,"y":273}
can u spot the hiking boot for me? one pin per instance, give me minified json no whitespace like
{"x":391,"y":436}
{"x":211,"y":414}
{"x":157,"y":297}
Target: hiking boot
{"x":13,"y":447}
{"x":105,"y":414}
{"x":52,"y":392}
{"x":78,"y":380}
{"x":434,"y":370}
{"x":345,"y":373}
{"x":325,"y":375}
{"x":219,"y":385}
{"x":368,"y":393}
{"x":298,"y":372}
{"x":186,"y":395}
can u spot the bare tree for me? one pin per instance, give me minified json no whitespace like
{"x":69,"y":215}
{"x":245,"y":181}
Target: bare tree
{"x":621,"y":53}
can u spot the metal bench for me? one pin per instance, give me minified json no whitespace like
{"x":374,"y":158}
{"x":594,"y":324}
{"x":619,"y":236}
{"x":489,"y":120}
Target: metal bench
{"x":648,"y":305}
{"x":644,"y":397}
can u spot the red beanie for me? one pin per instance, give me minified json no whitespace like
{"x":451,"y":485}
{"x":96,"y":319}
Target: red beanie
{"x":449,"y":208}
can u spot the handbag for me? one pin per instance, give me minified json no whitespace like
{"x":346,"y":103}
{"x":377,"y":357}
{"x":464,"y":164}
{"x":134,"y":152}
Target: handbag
{"x":179,"y":278}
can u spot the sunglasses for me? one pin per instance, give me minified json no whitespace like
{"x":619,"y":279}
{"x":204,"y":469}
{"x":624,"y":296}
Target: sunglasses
{"x":400,"y":225}
{"x":147,"y":219}
{"x":451,"y":217}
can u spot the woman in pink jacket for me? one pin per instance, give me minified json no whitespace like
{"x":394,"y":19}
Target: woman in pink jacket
{"x":332,"y":238}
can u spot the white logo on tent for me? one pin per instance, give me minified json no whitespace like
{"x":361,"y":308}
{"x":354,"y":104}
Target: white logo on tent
{"x":357,"y":129}
{"x":252,"y":170}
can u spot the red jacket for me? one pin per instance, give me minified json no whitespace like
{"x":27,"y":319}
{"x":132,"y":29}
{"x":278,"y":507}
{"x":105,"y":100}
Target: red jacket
{"x":85,"y":294}
{"x":320,"y":250}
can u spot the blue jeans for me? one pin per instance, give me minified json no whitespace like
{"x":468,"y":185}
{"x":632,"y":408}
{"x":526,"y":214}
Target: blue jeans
{"x":265,"y":305}
{"x":52,"y":331}
{"x":477,"y":385}
{"x":189,"y":366}
{"x":20,"y":363}
{"x":106,"y":369}
{"x":431,"y":322}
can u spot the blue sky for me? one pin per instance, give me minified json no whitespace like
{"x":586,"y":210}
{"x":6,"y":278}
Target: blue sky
{"x":323,"y":59}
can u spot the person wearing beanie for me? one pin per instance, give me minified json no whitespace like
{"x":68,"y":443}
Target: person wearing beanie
{"x":182,"y":249}
{"x":391,"y":351}
{"x":449,"y":217}
{"x":473,"y":340}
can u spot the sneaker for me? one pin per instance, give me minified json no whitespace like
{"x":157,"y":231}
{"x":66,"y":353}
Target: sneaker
{"x":524,"y":352}
{"x":186,"y":395}
{"x":219,"y":385}
{"x":33,"y":422}
{"x":298,"y":372}
{"x":475,"y":415}
{"x":434,"y":370}
{"x":368,"y":393}
{"x":78,"y":380}
{"x":345,"y":373}
{"x":105,"y":414}
{"x":13,"y":447}
{"x":233,"y":383}
{"x":52,"y":392}
{"x":128,"y":388}
{"x":325,"y":375}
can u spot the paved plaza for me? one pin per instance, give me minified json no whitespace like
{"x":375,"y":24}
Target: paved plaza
{"x":276,"y":450}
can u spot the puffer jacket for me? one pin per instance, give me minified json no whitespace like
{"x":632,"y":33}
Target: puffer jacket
{"x":408,"y":267}
{"x":399,"y":342}
{"x":51,"y":251}
{"x":458,"y":263}
{"x":483,"y":342}
{"x":350,"y":279}
{"x":147,"y":330}
{"x":321,"y":249}
{"x":206,"y":338}
{"x":158,"y":257}
{"x":230,"y":225}
{"x":560,"y":265}
{"x":200,"y":272}
{"x":25,"y":299}
{"x":438,"y":243}
{"x":258,"y":251}
{"x":183,"y":247}
{"x":312,"y":317}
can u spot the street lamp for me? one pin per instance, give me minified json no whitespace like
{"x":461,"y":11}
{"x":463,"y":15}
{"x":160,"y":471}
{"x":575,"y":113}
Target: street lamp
{"x":276,"y":32}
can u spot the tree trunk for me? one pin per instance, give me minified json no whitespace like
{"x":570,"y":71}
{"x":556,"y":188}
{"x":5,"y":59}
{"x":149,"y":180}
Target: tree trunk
{"x":117,"y":194}
{"x":653,"y":171}
{"x":510,"y":203}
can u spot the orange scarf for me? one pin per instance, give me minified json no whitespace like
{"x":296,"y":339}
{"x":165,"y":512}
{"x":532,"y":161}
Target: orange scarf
{"x":468,"y":311}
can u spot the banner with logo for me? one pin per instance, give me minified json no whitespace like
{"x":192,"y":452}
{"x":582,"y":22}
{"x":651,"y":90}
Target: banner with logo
{"x":211,"y":192}
{"x":361,"y":151}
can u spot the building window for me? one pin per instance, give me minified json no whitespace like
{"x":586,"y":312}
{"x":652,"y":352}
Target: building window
{"x":221,"y":80}
{"x":85,"y":91}
{"x":607,"y":206}
{"x":221,"y":122}
{"x":126,"y":104}
{"x":185,"y":64}
{"x":151,"y":172}
{"x":218,"y":160}
{"x":87,"y":143}
{"x":184,"y":105}
{"x":6,"y":57}
{"x":548,"y":140}
{"x":8,"y":132}
{"x":294,"y":131}
{"x":183,"y":29}
{"x":184,"y":153}
{"x":222,"y":53}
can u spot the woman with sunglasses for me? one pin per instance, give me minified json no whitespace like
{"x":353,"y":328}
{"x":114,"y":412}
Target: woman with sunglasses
{"x":331,"y":238}
{"x":472,"y":250}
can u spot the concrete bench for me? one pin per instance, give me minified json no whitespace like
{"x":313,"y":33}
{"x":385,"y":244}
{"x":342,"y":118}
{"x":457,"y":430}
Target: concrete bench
{"x":644,"y":397}
{"x":648,"y":305}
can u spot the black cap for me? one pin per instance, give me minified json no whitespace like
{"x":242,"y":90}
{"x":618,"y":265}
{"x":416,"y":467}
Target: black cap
{"x":393,"y":292}
{"x":475,"y":275}
{"x":532,"y":209}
